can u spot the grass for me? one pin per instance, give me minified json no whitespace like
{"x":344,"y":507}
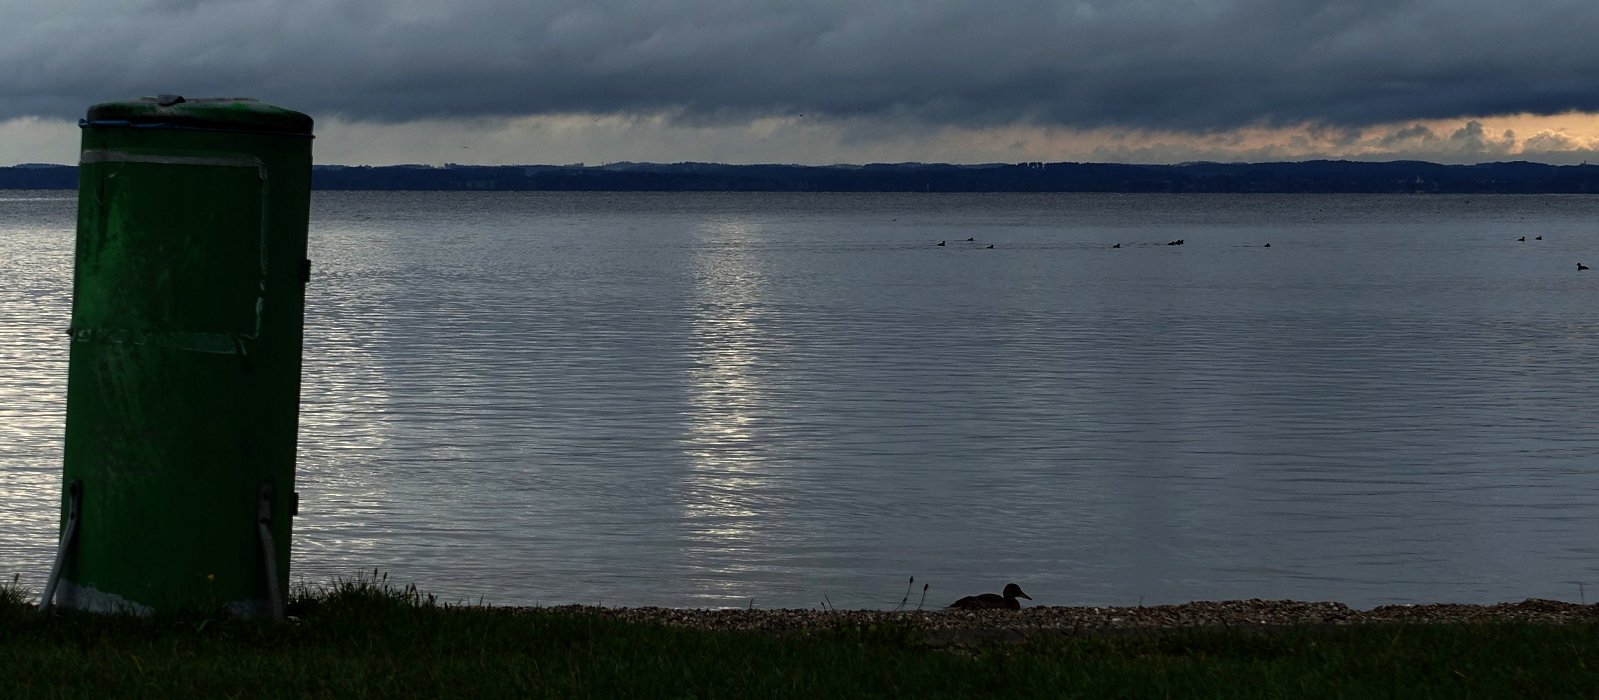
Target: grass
{"x":14,"y":594}
{"x":367,"y":638}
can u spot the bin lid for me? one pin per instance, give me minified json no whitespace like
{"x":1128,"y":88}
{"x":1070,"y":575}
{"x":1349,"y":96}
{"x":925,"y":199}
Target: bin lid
{"x":218,"y":113}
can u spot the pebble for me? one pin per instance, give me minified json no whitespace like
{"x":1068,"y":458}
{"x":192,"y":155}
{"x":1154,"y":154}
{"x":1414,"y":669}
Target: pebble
{"x":960,"y":626}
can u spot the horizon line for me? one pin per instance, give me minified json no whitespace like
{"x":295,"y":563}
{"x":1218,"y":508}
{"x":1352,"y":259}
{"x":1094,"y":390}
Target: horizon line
{"x":995,"y":164}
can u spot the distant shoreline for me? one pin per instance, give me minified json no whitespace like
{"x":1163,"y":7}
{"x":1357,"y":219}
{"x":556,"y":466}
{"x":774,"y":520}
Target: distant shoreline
{"x":1324,"y":176}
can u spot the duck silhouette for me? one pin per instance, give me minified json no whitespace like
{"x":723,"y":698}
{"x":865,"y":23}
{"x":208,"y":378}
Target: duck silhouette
{"x":990,"y":246}
{"x":990,"y":601}
{"x":970,"y":240}
{"x":941,"y":242}
{"x":1118,"y":245}
{"x":1538,"y":238}
{"x":1523,"y":239}
{"x":1581,"y":266}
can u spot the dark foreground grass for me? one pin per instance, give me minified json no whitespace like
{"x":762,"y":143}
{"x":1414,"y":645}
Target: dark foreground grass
{"x":365,"y":639}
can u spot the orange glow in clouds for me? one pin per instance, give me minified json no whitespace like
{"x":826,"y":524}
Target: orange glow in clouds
{"x":815,"y":139}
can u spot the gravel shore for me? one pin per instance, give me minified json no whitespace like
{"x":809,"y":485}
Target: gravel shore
{"x":947,"y":627}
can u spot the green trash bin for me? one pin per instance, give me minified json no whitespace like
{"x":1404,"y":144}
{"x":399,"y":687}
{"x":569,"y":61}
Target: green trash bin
{"x":183,"y":384}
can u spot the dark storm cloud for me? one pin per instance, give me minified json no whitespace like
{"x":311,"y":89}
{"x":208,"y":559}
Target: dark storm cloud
{"x":1193,"y":65}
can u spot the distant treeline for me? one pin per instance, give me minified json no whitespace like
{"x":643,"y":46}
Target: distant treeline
{"x":1309,"y":176}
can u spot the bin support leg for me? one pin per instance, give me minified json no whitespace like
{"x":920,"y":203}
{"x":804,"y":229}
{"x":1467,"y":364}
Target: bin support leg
{"x":68,"y":538}
{"x":269,"y":553}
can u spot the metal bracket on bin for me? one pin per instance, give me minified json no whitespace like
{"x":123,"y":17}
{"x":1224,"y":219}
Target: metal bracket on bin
{"x":68,"y":539}
{"x":269,"y":553}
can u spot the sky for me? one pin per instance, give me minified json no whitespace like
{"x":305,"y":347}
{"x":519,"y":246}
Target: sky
{"x":833,"y":81}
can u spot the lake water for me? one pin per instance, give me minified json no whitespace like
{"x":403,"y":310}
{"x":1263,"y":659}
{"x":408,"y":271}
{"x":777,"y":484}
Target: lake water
{"x":703,"y":399}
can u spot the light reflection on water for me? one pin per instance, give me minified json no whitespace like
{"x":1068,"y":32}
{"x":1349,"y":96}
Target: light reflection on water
{"x":704,"y":399}
{"x":730,"y":485}
{"x":35,"y":255}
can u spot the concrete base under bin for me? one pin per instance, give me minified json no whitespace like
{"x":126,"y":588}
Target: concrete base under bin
{"x":70,"y":595}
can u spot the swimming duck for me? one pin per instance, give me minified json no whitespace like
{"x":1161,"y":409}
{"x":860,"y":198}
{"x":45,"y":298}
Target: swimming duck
{"x":1538,"y":238}
{"x":1118,"y":245}
{"x":1581,"y":266}
{"x":1523,"y":239}
{"x":990,"y":246}
{"x":989,"y":601}
{"x":941,"y":242}
{"x":970,"y":239}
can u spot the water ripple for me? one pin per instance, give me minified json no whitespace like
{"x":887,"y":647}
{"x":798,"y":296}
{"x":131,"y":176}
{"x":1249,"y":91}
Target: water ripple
{"x":703,"y":399}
